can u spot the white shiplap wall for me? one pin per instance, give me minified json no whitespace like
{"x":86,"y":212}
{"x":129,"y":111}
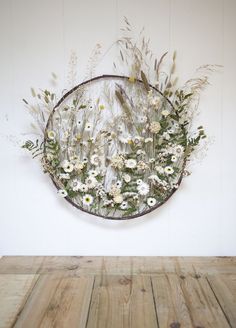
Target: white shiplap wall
{"x":36,"y":38}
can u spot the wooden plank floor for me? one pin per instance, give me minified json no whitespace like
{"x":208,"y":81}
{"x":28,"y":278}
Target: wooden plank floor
{"x":118,"y":292}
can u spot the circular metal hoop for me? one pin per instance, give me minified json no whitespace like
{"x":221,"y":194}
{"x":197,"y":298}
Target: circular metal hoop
{"x":151,"y":209}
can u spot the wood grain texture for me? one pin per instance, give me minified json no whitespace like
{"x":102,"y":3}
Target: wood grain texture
{"x":122,"y":302}
{"x":58,"y":301}
{"x":14,"y":291}
{"x":159,"y":292}
{"x":121,"y":265}
{"x":203,"y":307}
{"x":224,"y":288}
{"x":171,"y":305}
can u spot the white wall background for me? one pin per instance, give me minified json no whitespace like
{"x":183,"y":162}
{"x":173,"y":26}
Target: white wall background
{"x":36,"y":38}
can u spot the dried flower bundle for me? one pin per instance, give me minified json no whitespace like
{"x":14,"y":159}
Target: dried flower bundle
{"x":116,"y":146}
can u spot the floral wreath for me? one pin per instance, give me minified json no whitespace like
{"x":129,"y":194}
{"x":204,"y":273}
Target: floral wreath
{"x":117,"y":146}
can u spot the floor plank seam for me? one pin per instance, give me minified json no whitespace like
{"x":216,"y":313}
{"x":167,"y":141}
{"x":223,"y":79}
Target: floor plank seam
{"x":223,"y":311}
{"x":154,"y":300}
{"x":90,"y":303}
{"x":26,"y":300}
{"x":186,"y":299}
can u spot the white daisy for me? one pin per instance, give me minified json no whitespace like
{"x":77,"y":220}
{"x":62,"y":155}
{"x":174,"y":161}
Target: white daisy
{"x":118,"y":184}
{"x":127,"y":178}
{"x":51,"y":135}
{"x":168,"y":170}
{"x":179,"y":150}
{"x":95,"y":160}
{"x":75,"y":185}
{"x":139,"y":182}
{"x":87,"y":200}
{"x":85,"y":160}
{"x":62,"y":192}
{"x":143,"y":189}
{"x":151,"y":201}
{"x":124,"y":205}
{"x":91,"y":182}
{"x":83,"y":187}
{"x":67,"y":166}
{"x":93,"y":173}
{"x":88,"y":127}
{"x":142,"y":119}
{"x":130,"y":163}
{"x":173,"y":159}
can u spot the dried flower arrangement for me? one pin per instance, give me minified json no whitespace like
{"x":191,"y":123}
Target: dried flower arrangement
{"x":116,"y":146}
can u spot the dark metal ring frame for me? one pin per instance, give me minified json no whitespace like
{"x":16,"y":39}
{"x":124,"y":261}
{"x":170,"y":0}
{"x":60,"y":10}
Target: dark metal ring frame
{"x":122,"y":77}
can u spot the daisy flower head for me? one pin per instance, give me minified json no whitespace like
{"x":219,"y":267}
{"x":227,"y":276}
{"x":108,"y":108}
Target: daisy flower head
{"x":93,"y":173}
{"x":83,"y":187}
{"x":143,"y":189}
{"x":118,"y":184}
{"x":51,"y":135}
{"x":168,"y":170}
{"x":88,"y":127}
{"x":91,"y":182}
{"x":139,"y":182}
{"x":75,"y":184}
{"x":87,"y":200}
{"x":151,"y":201}
{"x":67,"y":166}
{"x":131,"y":163}
{"x":95,"y":160}
{"x":142,"y":119}
{"x":62,"y":193}
{"x":179,"y":150}
{"x":173,"y":158}
{"x":124,"y":205}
